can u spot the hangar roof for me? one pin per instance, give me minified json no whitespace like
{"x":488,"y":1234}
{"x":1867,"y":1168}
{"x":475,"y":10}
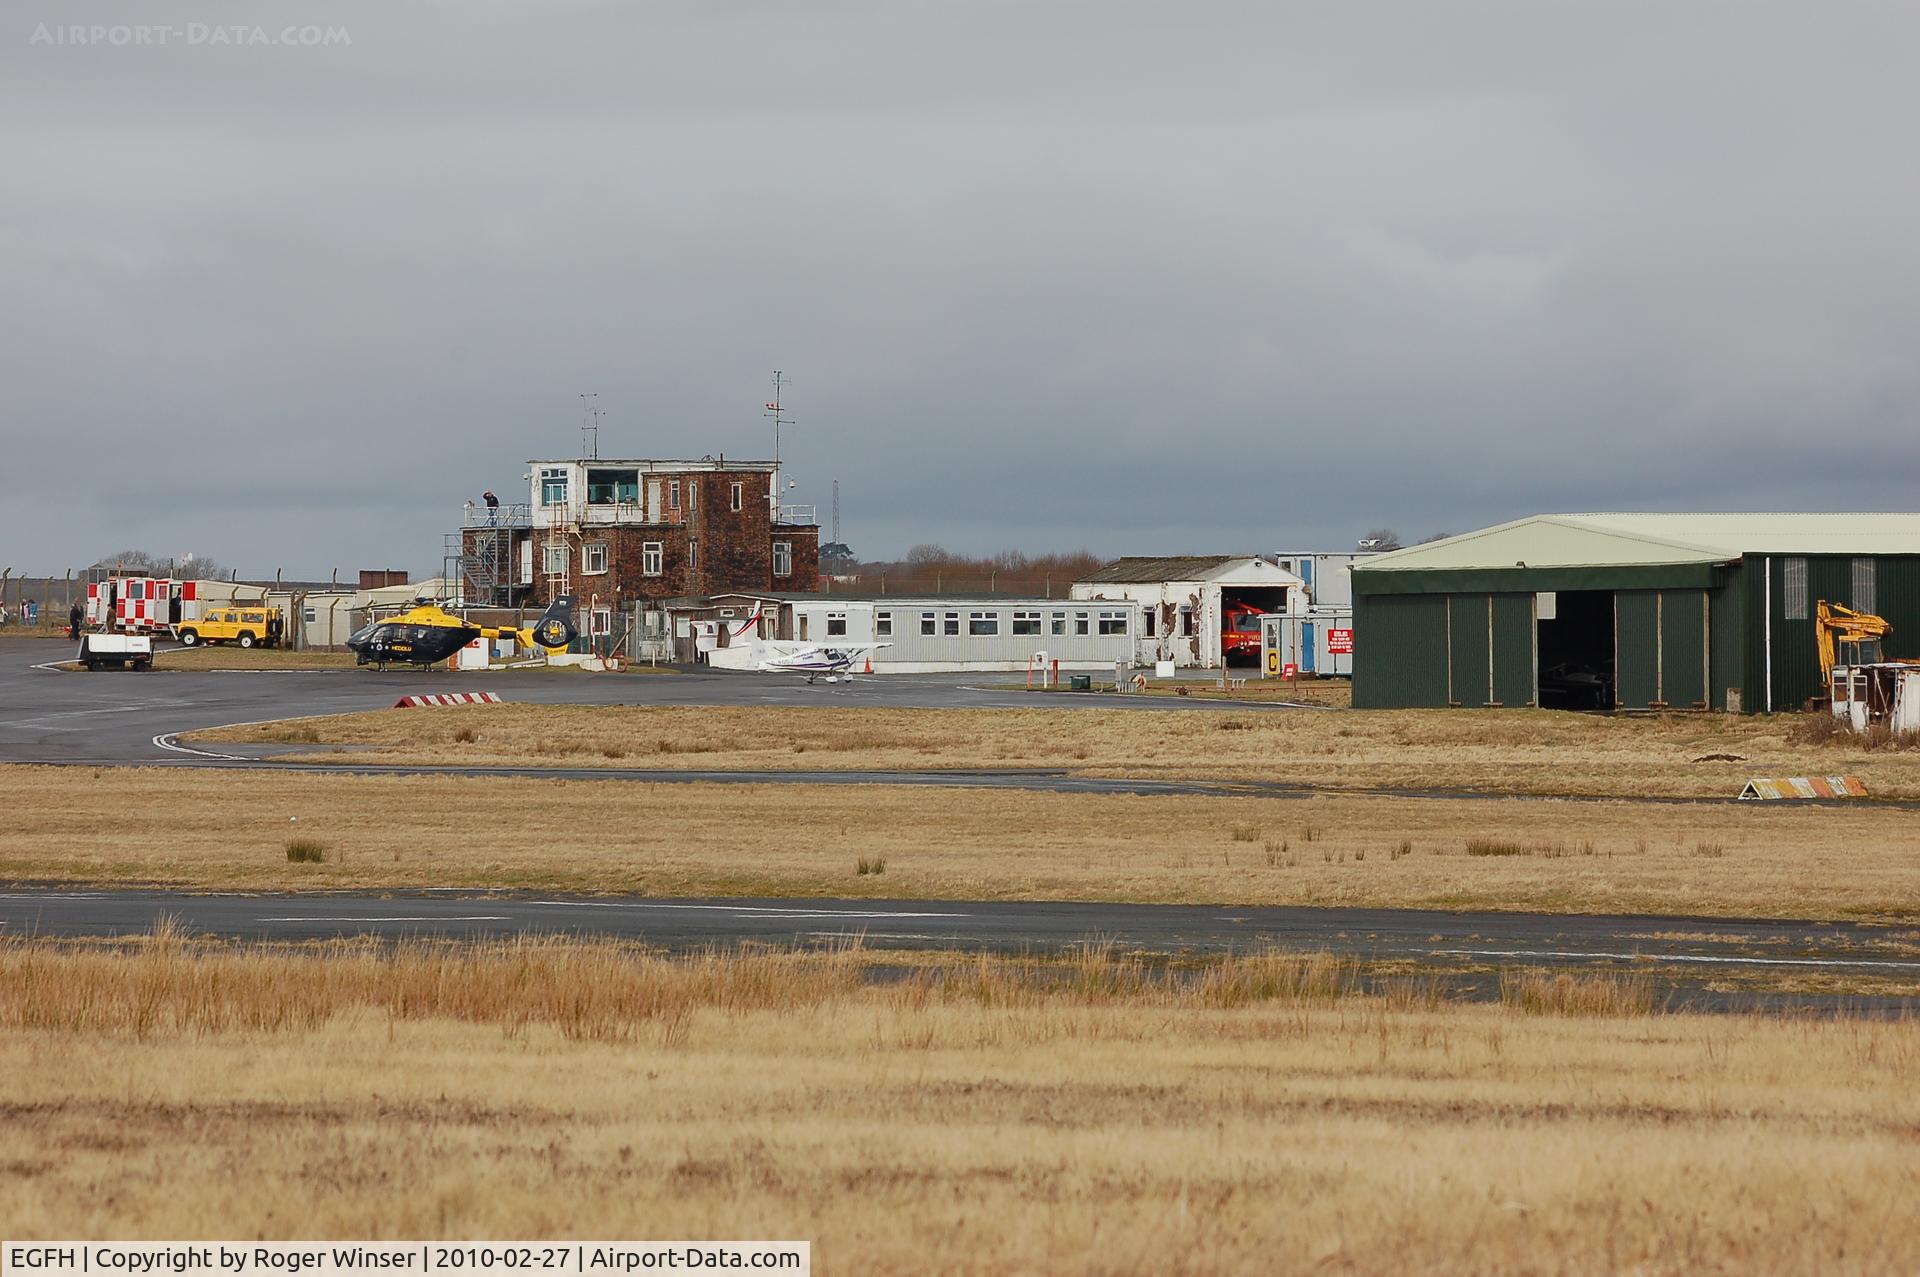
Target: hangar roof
{"x":1632,"y":540}
{"x":1146,"y":570}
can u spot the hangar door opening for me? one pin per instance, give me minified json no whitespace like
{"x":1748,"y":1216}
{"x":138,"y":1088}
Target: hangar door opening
{"x":1576,"y":649}
{"x":1241,"y":607}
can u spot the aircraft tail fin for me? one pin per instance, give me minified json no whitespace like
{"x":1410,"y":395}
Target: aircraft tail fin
{"x":554,"y":629}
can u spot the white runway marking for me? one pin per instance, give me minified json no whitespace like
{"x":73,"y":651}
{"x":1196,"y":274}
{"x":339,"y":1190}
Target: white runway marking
{"x":166,"y":741}
{"x":1729,"y":959}
{"x":460,"y":917}
{"x":754,"y":912}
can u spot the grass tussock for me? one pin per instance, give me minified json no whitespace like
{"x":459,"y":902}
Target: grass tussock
{"x":867,"y":866}
{"x":1542,"y":849}
{"x":1565,"y":994}
{"x":306,"y":851}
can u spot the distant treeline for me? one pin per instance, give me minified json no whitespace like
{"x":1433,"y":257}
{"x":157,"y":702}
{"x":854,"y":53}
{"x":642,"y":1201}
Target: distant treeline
{"x":935,"y":569}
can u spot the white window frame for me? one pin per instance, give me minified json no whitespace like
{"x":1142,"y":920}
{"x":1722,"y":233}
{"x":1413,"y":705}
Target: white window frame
{"x":1866,"y":585}
{"x":1028,"y":619}
{"x":950,"y":625}
{"x":693,"y":554}
{"x":836,"y":625}
{"x":693,"y":494}
{"x":737,"y":494}
{"x":983,"y":625}
{"x":600,"y":622}
{"x":1058,"y":625}
{"x":929,"y":624}
{"x":883,"y":625}
{"x":1082,"y":624}
{"x":550,"y":475}
{"x":1793,"y":589}
{"x":1113,"y":618}
{"x":783,"y":558}
{"x":673,"y":494}
{"x":653,"y":558}
{"x":588,"y":553}
{"x":555,"y":558}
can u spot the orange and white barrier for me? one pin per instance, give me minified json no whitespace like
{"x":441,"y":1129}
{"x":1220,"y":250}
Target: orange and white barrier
{"x":447,"y":698}
{"x":1804,"y":787}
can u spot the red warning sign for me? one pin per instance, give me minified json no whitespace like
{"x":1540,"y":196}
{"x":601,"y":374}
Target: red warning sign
{"x":1340,"y":642}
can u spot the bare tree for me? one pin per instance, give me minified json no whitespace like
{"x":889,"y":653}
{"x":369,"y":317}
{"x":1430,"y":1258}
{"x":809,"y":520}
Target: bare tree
{"x":143,"y":563}
{"x":927,"y":554}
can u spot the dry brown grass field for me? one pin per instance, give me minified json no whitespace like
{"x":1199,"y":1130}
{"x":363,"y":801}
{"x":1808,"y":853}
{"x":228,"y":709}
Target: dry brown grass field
{"x":985,"y":1118}
{"x":1518,"y":751}
{"x":230,"y":830}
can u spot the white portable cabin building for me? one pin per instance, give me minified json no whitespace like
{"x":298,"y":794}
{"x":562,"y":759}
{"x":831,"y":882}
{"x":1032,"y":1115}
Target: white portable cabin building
{"x":925,"y":633}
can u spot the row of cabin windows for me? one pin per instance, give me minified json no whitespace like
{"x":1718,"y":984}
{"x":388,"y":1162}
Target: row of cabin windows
{"x":622,"y":487}
{"x":987,"y":624}
{"x":593,"y":558}
{"x":1793,"y":581}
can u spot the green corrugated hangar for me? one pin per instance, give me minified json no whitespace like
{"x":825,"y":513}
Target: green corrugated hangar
{"x":1628,"y":611}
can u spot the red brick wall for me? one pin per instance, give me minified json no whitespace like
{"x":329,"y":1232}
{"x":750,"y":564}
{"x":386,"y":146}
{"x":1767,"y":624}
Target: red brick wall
{"x":736,"y":547}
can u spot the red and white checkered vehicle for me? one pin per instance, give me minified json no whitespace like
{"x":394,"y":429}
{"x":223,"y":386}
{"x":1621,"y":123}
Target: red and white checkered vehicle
{"x":141,"y":604}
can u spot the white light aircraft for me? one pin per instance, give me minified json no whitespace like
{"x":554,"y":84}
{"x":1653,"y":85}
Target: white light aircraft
{"x":832,"y":663}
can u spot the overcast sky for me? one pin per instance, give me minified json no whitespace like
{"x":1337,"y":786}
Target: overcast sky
{"x":1135,"y":278}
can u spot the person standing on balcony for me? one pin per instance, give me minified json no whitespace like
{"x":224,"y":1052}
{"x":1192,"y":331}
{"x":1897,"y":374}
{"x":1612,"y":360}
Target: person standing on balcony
{"x":493,"y":507}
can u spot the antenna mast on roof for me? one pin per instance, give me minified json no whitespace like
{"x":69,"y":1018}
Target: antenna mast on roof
{"x":773,"y":411}
{"x":590,"y":426}
{"x":836,"y":512}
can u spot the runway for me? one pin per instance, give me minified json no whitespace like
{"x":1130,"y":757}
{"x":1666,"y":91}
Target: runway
{"x":1693,"y":944}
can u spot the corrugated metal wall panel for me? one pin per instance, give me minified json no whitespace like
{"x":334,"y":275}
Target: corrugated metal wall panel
{"x":1469,"y":620}
{"x":1728,"y":639}
{"x":1757,"y":581}
{"x":1513,"y":671}
{"x":1636,"y":648}
{"x":1897,"y":583}
{"x":1400,"y":651}
{"x":1683,"y":648}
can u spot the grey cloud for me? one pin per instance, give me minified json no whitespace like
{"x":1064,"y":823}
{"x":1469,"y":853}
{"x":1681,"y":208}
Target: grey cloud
{"x":1130,"y":277}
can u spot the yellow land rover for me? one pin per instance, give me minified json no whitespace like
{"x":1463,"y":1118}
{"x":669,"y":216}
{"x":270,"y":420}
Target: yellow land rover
{"x":247,"y":625}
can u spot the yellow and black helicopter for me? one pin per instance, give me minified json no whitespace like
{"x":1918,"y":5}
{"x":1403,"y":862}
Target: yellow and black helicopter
{"x":428,"y":633}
